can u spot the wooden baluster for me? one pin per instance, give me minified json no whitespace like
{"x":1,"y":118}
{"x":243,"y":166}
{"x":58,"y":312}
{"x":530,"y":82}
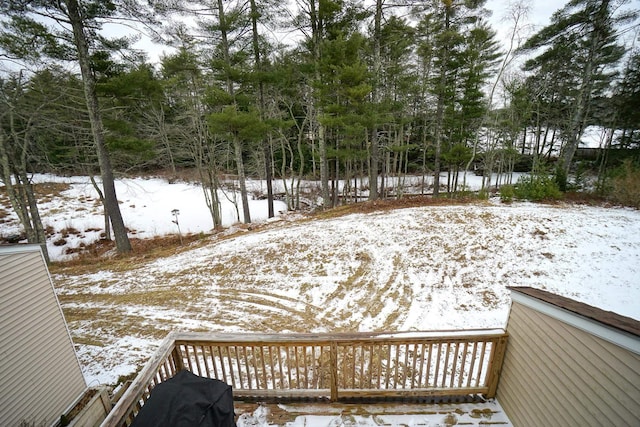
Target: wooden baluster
{"x":214,"y":365}
{"x":472,"y":368}
{"x":264,"y":369}
{"x":282,"y":375}
{"x":247,"y":367}
{"x":230,"y":367}
{"x":421,"y":368}
{"x":446,"y":365}
{"x":308,"y":357}
{"x":414,"y":363}
{"x":454,"y":364}
{"x":351,"y":350}
{"x":429,"y":366}
{"x":370,"y":376}
{"x":405,"y":369}
{"x":389,"y":367}
{"x":188,"y":357}
{"x":463,"y":368}
{"x":396,"y":373}
{"x":288,"y":366}
{"x":436,"y":378}
{"x":481,"y":369}
{"x":205,"y":361}
{"x":198,"y":360}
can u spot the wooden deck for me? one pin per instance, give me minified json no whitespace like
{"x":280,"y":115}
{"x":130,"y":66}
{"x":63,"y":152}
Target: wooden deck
{"x":314,"y":414}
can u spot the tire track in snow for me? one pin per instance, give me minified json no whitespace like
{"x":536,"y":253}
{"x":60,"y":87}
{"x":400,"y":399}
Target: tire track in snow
{"x":299,"y":315}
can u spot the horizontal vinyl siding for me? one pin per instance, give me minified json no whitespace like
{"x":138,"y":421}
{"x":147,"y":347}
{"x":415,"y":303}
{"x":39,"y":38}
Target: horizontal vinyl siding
{"x":39,"y":370}
{"x":556,"y":374}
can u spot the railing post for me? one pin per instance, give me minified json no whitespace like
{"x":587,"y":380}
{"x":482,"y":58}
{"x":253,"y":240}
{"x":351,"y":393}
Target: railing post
{"x":333,"y":369}
{"x":495,"y":365}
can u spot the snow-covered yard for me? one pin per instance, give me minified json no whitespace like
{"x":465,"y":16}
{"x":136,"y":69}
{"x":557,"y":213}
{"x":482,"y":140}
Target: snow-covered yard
{"x":419,"y":268}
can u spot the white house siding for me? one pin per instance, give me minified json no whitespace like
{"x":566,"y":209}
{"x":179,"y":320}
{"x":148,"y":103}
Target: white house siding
{"x":40,"y":375}
{"x":555,"y":374}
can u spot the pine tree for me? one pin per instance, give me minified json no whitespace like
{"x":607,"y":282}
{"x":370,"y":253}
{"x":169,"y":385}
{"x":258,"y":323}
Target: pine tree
{"x":461,"y":52}
{"x":579,"y":51}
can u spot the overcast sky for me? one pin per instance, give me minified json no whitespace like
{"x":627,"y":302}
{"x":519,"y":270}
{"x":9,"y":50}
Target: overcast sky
{"x":538,"y":16}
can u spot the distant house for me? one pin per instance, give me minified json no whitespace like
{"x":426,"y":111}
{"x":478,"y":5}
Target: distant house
{"x":569,"y":364}
{"x":39,"y":371}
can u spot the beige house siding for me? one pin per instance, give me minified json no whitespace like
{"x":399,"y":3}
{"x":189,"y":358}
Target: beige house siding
{"x":39,"y":370}
{"x":555,"y":373}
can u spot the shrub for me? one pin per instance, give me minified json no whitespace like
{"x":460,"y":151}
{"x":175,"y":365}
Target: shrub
{"x":537,"y":187}
{"x":625,"y":185}
{"x":507,"y":192}
{"x":560,"y":178}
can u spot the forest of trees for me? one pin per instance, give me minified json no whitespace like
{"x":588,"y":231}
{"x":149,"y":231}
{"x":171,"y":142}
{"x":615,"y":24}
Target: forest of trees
{"x":361,"y":93}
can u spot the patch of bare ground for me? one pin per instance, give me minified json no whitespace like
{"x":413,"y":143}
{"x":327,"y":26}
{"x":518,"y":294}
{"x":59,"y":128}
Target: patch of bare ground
{"x":582,"y":198}
{"x":102,"y":254}
{"x":391,"y":204}
{"x":265,"y":311}
{"x":44,"y":192}
{"x":94,"y":325}
{"x":47,"y":191}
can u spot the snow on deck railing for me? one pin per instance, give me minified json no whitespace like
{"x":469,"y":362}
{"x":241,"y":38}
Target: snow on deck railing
{"x":333,"y":366}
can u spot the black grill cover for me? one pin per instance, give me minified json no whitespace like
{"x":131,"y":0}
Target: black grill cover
{"x":188,"y":400}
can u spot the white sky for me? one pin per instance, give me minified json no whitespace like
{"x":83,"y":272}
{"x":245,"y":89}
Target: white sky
{"x":539,"y":15}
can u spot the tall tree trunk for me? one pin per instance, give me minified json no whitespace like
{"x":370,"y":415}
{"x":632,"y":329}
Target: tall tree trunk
{"x":38,"y":230}
{"x":107,"y":224}
{"x":442,"y":81}
{"x":266,"y":149}
{"x":237,"y":143}
{"x":301,"y":160}
{"x":283,"y":173}
{"x":374,"y":160}
{"x":315,"y":107}
{"x":111,"y":201}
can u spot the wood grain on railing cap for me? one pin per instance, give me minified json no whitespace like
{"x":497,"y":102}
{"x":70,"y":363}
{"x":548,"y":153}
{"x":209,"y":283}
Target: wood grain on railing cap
{"x":325,"y":338}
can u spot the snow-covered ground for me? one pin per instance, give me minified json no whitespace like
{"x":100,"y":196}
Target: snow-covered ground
{"x":147,"y":206}
{"x":419,"y":268}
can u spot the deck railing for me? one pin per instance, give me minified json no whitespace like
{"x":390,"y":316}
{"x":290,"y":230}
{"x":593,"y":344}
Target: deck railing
{"x":333,"y":366}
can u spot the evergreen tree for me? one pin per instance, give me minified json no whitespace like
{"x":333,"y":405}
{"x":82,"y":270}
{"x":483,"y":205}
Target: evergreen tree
{"x":626,"y":103}
{"x":127,"y":96}
{"x":585,"y":32}
{"x":397,"y":90}
{"x":457,"y":64}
